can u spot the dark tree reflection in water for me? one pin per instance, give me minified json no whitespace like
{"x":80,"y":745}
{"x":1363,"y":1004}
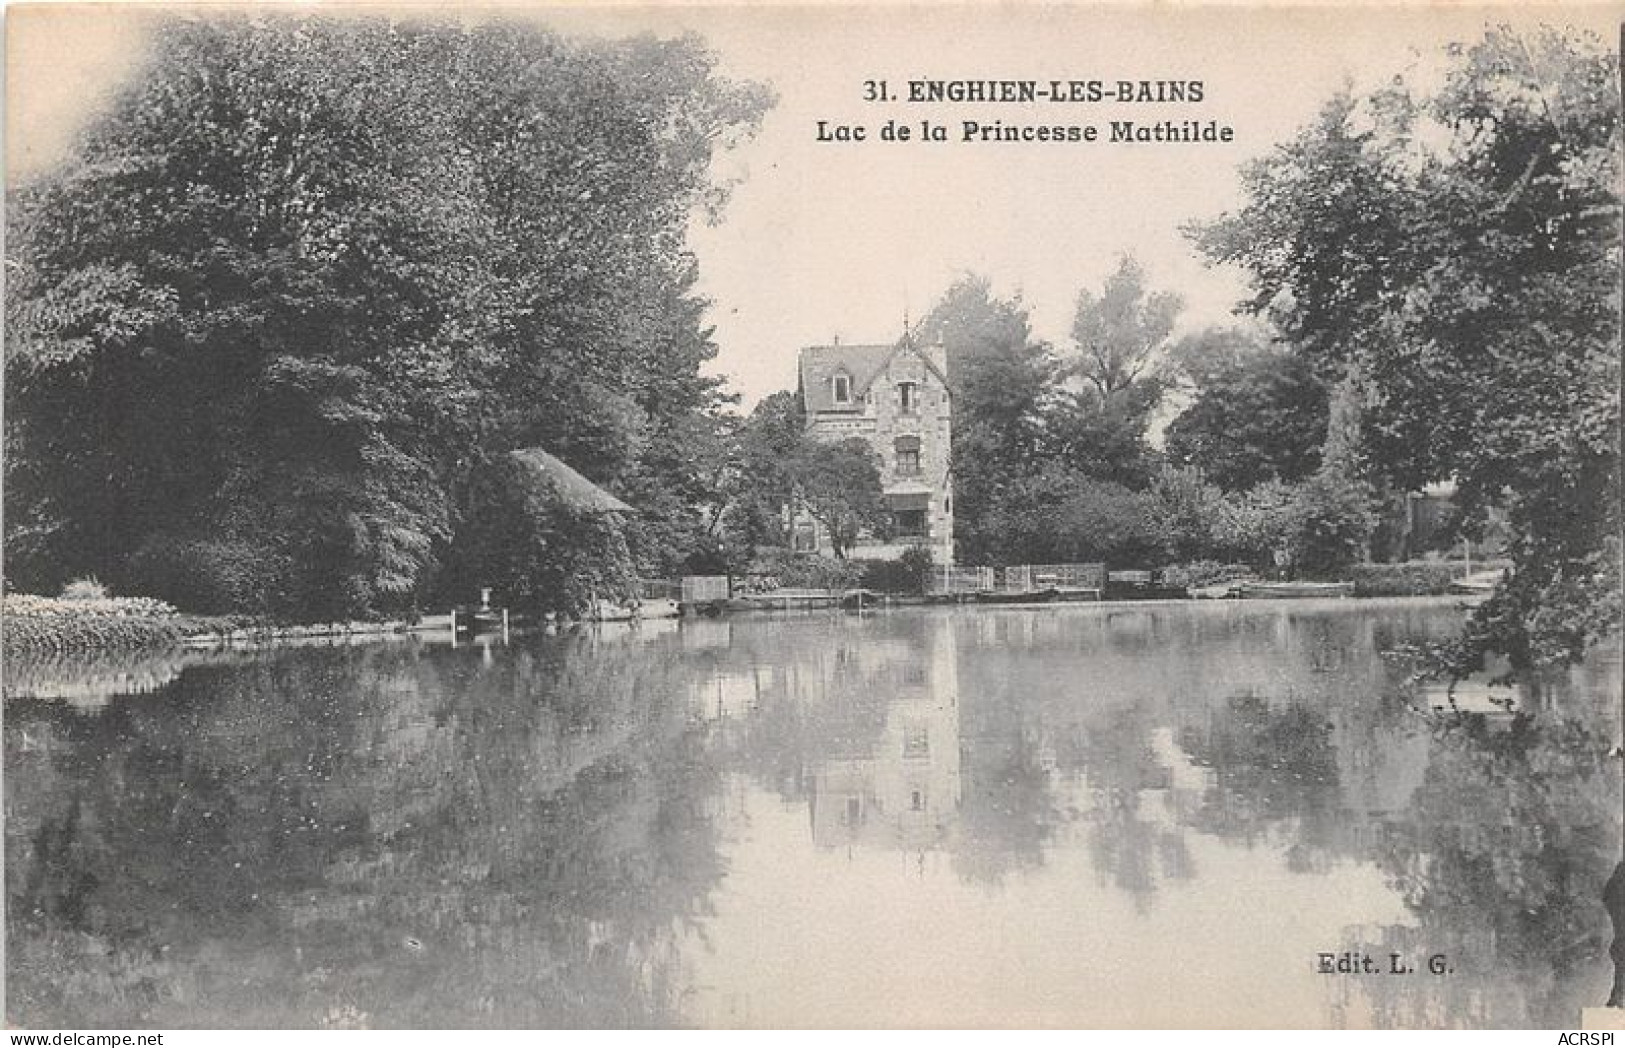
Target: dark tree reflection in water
{"x":363,"y":836}
{"x":1274,"y":772}
{"x":1502,"y":856}
{"x":1130,"y":848}
{"x":912,"y":817}
{"x":1009,"y":812}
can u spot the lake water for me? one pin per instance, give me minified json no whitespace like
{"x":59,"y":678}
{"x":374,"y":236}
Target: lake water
{"x":1154,"y":815}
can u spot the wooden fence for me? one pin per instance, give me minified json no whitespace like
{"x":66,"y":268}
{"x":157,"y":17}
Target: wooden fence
{"x":953,"y":578}
{"x":1020,"y":578}
{"x":701,"y":589}
{"x":1065,"y":576}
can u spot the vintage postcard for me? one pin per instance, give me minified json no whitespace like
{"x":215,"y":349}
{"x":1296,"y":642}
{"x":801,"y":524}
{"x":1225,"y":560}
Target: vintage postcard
{"x":811,"y":516}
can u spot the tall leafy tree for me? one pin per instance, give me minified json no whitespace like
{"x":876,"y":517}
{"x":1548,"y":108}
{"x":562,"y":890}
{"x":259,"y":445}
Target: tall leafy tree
{"x":778,"y":468}
{"x":1259,"y":413}
{"x":839,"y":484}
{"x":1121,"y":357}
{"x":1003,"y":382}
{"x":1121,"y":339}
{"x":1453,"y":253}
{"x":759,"y":481}
{"x":1019,"y":430}
{"x":305,"y":276}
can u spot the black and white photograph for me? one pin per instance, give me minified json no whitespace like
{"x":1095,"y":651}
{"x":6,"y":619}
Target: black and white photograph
{"x":789,"y":516}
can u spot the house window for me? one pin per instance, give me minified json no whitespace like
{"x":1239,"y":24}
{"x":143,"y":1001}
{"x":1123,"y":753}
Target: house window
{"x":909,"y":524}
{"x":908,"y":456}
{"x":908,"y":398}
{"x":843,"y":389}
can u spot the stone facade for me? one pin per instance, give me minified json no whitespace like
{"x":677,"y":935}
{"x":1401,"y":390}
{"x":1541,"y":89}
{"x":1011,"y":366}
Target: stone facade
{"x":896,"y":398}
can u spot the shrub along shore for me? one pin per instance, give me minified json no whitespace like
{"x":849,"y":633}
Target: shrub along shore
{"x":36,"y":625}
{"x":48,"y":625}
{"x":1411,"y":578}
{"x":53,"y":626}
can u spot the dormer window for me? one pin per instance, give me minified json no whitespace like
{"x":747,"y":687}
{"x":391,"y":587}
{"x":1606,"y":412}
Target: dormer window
{"x":908,"y":398}
{"x":842,"y":388}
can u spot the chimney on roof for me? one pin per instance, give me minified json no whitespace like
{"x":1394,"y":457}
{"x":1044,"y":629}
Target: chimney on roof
{"x":836,"y":340}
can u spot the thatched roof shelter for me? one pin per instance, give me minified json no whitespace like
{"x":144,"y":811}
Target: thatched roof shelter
{"x":574,"y":490}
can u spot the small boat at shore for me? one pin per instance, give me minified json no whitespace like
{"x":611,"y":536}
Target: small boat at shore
{"x":483,"y":619}
{"x":1478,"y":584}
{"x":655,"y":599}
{"x":1039,"y":596}
{"x":1293,"y":590}
{"x":1216,"y":591}
{"x":632,"y":611}
{"x":858,"y":599}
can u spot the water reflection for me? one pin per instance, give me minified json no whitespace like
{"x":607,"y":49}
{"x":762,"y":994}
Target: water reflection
{"x":1077,"y":816}
{"x":1263,"y":759}
{"x":903,"y":789}
{"x":378,"y":837}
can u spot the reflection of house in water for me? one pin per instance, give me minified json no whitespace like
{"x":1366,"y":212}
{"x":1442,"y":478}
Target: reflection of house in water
{"x":863,"y":725}
{"x":903,"y":791}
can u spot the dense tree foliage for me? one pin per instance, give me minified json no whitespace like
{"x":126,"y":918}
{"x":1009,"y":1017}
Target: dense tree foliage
{"x":758,"y":484}
{"x":1031,"y":425}
{"x":1122,"y":366}
{"x":544,"y":551}
{"x":1453,"y":254}
{"x":839,"y":485}
{"x":303,"y":277}
{"x":779,"y":471}
{"x":1259,"y":413}
{"x":1003,"y":382}
{"x":1329,"y":523}
{"x":1063,"y":516}
{"x":1121,"y":338}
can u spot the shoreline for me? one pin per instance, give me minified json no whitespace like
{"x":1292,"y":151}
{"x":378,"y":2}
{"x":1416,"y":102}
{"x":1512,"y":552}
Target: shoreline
{"x":260,"y":636}
{"x":89,"y":678}
{"x":54,"y":628}
{"x":92,"y":635}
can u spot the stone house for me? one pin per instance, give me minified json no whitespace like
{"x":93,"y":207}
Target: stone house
{"x":896,"y":398}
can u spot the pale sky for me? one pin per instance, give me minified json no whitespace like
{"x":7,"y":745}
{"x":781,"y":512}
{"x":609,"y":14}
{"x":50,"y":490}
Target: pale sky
{"x":841,"y":239}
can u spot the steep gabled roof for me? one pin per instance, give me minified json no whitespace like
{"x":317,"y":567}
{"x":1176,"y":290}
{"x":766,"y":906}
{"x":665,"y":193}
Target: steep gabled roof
{"x":864,"y":363}
{"x":572,"y":488}
{"x":820,"y":364}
